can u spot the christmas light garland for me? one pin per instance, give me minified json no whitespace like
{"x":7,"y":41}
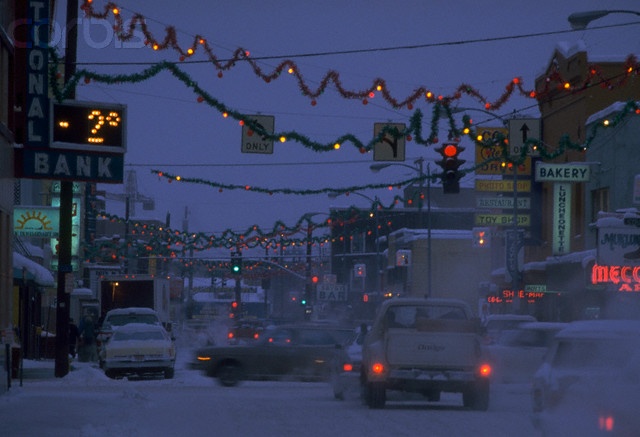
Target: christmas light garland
{"x":378,"y":87}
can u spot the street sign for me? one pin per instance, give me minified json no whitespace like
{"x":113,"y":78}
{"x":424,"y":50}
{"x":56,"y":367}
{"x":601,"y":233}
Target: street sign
{"x":521,"y":130}
{"x":523,"y":186}
{"x":252,"y":141}
{"x":331,"y":292}
{"x":391,"y":147}
{"x":546,"y":172}
{"x":498,"y":202}
{"x":501,"y":220}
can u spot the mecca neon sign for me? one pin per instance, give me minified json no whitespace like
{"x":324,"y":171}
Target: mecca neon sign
{"x":625,"y":278}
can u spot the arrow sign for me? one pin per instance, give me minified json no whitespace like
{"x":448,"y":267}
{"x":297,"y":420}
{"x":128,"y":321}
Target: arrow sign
{"x":520,"y":131}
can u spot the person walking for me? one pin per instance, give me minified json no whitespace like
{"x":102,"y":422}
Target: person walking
{"x":88,"y":352}
{"x":74,"y":334}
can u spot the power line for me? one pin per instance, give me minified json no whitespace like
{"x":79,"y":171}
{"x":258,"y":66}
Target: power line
{"x":384,"y":49}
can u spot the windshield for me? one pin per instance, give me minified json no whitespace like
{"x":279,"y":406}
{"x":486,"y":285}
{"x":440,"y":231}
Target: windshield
{"x":125,"y":319}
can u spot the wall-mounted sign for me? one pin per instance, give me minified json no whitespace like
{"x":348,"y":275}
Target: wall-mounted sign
{"x":546,"y":172}
{"x":89,"y":126}
{"x":623,"y":278}
{"x":36,"y":221}
{"x":561,"y":218}
{"x":37,"y":92}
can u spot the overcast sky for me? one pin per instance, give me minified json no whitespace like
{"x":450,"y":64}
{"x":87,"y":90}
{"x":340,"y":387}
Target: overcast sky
{"x":169,"y":130}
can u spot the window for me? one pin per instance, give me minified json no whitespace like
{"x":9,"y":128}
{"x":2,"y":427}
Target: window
{"x":599,"y":202}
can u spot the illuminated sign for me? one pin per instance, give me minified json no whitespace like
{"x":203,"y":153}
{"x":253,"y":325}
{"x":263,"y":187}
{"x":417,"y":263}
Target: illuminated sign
{"x":507,"y":296}
{"x":523,"y":186}
{"x":625,"y":278}
{"x":561,"y":218}
{"x":89,"y":126}
{"x":36,"y":221}
{"x":491,"y":158}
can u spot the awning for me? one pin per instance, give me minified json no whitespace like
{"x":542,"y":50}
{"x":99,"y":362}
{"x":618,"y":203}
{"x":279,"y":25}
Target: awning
{"x":24,"y":267}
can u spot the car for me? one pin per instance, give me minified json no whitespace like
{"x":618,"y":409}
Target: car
{"x":589,"y":382}
{"x":496,"y":323}
{"x":122,"y":316}
{"x":345,"y":368}
{"x":518,"y":352}
{"x":289,"y":352}
{"x":245,"y":330}
{"x":139,"y":349}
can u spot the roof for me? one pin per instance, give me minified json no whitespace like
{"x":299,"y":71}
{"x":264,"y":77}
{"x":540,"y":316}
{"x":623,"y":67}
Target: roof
{"x":132,"y":310}
{"x":41,"y":275}
{"x":602,"y":329}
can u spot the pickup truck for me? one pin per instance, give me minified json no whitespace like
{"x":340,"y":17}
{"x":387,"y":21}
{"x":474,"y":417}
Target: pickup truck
{"x":425,"y":346}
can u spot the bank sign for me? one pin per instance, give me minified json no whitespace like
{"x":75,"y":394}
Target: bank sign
{"x":90,"y":137}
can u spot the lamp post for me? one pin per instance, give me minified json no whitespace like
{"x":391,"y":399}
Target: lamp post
{"x":580,"y":20}
{"x":420,"y":169}
{"x":377,"y":234}
{"x":308,"y":282}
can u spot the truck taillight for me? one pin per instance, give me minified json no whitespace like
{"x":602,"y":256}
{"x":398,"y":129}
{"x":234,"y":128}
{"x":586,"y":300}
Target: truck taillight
{"x":377,"y":368}
{"x":485,"y":370}
{"x":230,"y":335}
{"x":347,"y":367}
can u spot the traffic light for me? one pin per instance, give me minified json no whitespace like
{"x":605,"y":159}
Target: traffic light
{"x":481,"y":237}
{"x":450,"y":163}
{"x":236,"y":263}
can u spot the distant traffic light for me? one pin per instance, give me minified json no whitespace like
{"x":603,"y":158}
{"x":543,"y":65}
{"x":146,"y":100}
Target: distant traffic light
{"x":236,"y":263}
{"x":450,"y":164}
{"x":481,"y":237}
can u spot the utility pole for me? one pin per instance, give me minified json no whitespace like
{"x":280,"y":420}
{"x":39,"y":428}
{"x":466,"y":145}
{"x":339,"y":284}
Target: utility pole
{"x":65,"y":270}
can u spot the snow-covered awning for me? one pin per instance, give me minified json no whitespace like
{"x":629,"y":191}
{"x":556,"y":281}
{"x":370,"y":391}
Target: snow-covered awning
{"x":40,"y":274}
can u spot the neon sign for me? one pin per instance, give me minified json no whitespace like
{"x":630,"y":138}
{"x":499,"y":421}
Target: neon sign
{"x":627,"y":278}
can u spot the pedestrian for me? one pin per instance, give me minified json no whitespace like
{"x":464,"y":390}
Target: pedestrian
{"x":88,"y":350}
{"x":74,"y":334}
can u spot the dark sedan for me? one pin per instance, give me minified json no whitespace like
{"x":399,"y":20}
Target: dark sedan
{"x":302,"y":353}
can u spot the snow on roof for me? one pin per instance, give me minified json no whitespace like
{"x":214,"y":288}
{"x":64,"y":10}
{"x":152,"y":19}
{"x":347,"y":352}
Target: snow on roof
{"x":42,"y":276}
{"x":575,"y":257}
{"x":606,"y":112}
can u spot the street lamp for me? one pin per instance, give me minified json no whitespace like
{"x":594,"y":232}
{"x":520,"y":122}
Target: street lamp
{"x":420,"y":164}
{"x":377,"y":235}
{"x":308,"y":282}
{"x":580,"y":20}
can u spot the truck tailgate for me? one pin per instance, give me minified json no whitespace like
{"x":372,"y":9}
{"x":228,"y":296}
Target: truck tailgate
{"x":411,"y":348}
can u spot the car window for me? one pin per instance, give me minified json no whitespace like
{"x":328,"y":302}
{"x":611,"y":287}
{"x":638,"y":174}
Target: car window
{"x":590,"y":354}
{"x":316,"y":337}
{"x":125,"y":319}
{"x":138,"y":335}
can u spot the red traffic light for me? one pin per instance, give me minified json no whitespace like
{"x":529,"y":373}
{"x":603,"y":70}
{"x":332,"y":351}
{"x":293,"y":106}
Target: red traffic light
{"x":315,"y":279}
{"x":450,"y":150}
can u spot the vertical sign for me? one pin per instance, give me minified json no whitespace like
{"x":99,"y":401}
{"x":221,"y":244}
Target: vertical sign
{"x":561,"y":218}
{"x":37,"y":118}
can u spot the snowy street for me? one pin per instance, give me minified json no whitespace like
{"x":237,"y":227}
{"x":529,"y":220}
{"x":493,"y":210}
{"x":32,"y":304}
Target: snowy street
{"x":86,"y":403}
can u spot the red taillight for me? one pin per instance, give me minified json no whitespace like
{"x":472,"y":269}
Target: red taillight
{"x":606,"y":422}
{"x":377,"y":368}
{"x":347,"y":367}
{"x":485,"y":370}
{"x":230,"y":335}
{"x":256,"y":336}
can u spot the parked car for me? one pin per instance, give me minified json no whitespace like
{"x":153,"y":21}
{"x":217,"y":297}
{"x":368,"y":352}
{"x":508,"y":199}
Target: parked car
{"x":346,"y":365}
{"x":139,"y":349}
{"x":496,"y":323}
{"x":123,"y":316}
{"x":589,"y":382}
{"x":518,"y":352}
{"x":289,"y":352}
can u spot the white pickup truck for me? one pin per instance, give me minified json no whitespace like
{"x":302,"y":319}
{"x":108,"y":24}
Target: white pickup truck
{"x":425,"y":346}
